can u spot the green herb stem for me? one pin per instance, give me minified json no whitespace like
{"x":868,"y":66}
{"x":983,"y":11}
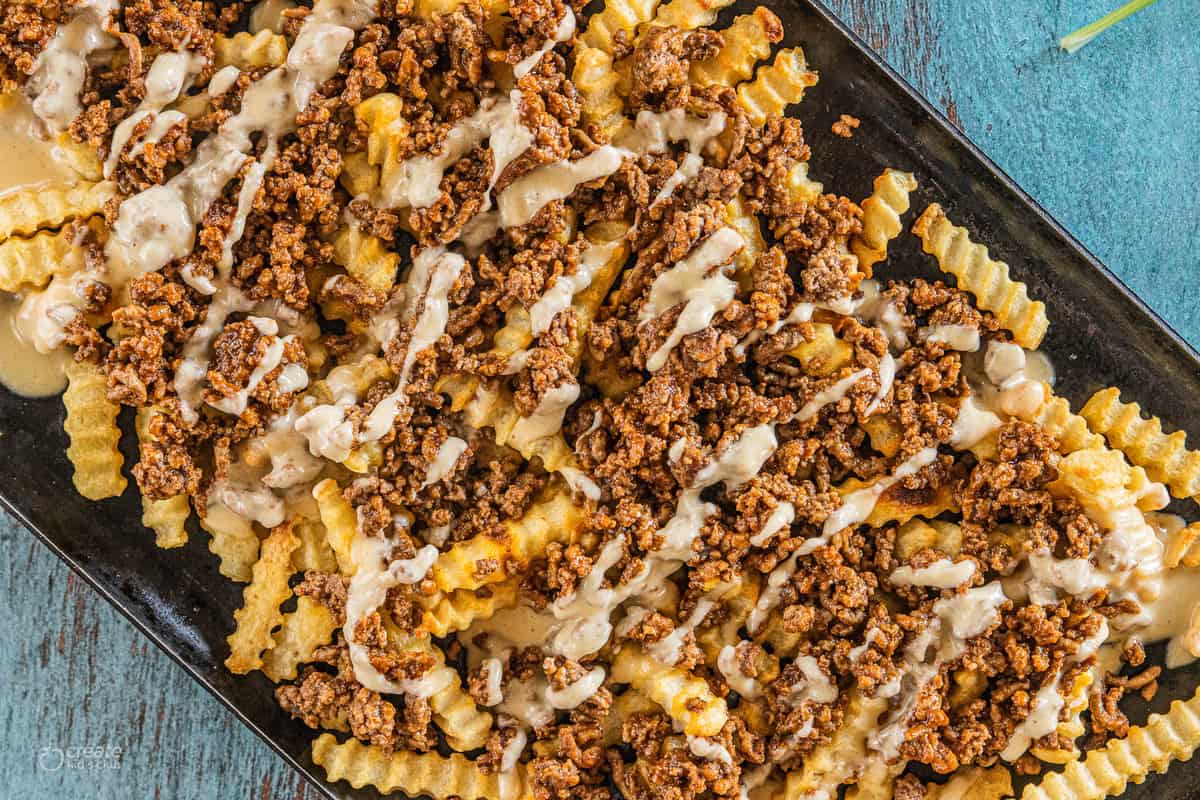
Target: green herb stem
{"x":1073,"y":41}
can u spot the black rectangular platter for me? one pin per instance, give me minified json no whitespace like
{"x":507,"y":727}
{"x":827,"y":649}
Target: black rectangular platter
{"x":1100,"y":335}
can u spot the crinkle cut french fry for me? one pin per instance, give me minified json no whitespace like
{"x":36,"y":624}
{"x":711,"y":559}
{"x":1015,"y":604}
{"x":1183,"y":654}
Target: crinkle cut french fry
{"x":79,"y":157}
{"x":747,"y":41}
{"x":465,"y":724}
{"x":618,"y":15}
{"x":415,"y":774}
{"x":233,"y":541}
{"x":25,"y":211}
{"x":314,"y":551}
{"x":977,"y":273}
{"x":261,"y":600}
{"x":877,"y":781}
{"x":1106,"y":771}
{"x":586,"y":303}
{"x":823,"y":353}
{"x":776,"y":85}
{"x":688,"y":15}
{"x":359,"y":176}
{"x":340,"y":522}
{"x":458,"y":610}
{"x":738,"y":602}
{"x":553,"y":518}
{"x":686,"y":698}
{"x":367,"y":258}
{"x":1183,"y":549}
{"x":167,"y":518}
{"x":746,"y":224}
{"x":91,"y":424}
{"x":459,"y":567}
{"x":992,"y":783}
{"x":498,"y":412}
{"x":248,"y":51}
{"x":310,"y":626}
{"x":386,"y":131}
{"x":801,"y":187}
{"x":916,"y":534}
{"x":1054,"y":416}
{"x":881,"y":217}
{"x":830,"y":764}
{"x":624,"y":706}
{"x":896,"y":505}
{"x":596,"y":81}
{"x":1165,"y":457}
{"x":30,"y":263}
{"x":428,"y":9}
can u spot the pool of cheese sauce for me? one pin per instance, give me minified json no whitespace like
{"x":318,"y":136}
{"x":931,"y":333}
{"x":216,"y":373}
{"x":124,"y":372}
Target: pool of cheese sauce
{"x":27,"y":159}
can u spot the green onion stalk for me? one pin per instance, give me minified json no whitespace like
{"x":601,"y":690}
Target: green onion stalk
{"x":1073,"y":41}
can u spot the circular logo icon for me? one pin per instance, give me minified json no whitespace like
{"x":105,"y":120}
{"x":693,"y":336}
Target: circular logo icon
{"x":51,"y":759}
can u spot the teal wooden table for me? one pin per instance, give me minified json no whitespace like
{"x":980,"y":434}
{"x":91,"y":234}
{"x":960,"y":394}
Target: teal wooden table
{"x":1105,"y":139}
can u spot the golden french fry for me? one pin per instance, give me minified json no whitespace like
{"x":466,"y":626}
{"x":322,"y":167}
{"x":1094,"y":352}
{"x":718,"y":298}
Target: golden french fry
{"x":777,"y":85}
{"x":302,"y":631}
{"x":1165,"y":457}
{"x":978,"y":274}
{"x":260,"y":613}
{"x":340,"y":522}
{"x":881,"y":217}
{"x":31,"y":263}
{"x":167,"y":518}
{"x":248,"y":51}
{"x":686,"y":698}
{"x":437,"y":776}
{"x":748,"y":40}
{"x":618,"y":15}
{"x":27,"y":210}
{"x":91,"y":424}
{"x":688,"y":15}
{"x":1146,"y":749}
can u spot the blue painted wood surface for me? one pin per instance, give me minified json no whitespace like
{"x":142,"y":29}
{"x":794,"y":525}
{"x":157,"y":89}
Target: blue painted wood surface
{"x":1106,"y":140}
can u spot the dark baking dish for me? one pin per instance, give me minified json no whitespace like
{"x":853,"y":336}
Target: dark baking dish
{"x":1101,"y":334}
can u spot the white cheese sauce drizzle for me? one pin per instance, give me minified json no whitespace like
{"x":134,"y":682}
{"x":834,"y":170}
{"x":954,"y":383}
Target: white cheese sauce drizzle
{"x":424,"y":302}
{"x":61,"y":68}
{"x":700,"y":284}
{"x":565,"y":30}
{"x":727,"y":663}
{"x":372,"y":579}
{"x":955,"y":620}
{"x":558,"y":297}
{"x":434,"y":273}
{"x":584,"y":616}
{"x":290,"y":380}
{"x":170,"y":75}
{"x":779,"y":520}
{"x":964,"y":338}
{"x":547,"y":418}
{"x":1049,"y":701}
{"x":443,"y":464}
{"x":941,"y":574}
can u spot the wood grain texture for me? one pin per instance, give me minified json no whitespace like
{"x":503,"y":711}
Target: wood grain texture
{"x":1105,"y":140}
